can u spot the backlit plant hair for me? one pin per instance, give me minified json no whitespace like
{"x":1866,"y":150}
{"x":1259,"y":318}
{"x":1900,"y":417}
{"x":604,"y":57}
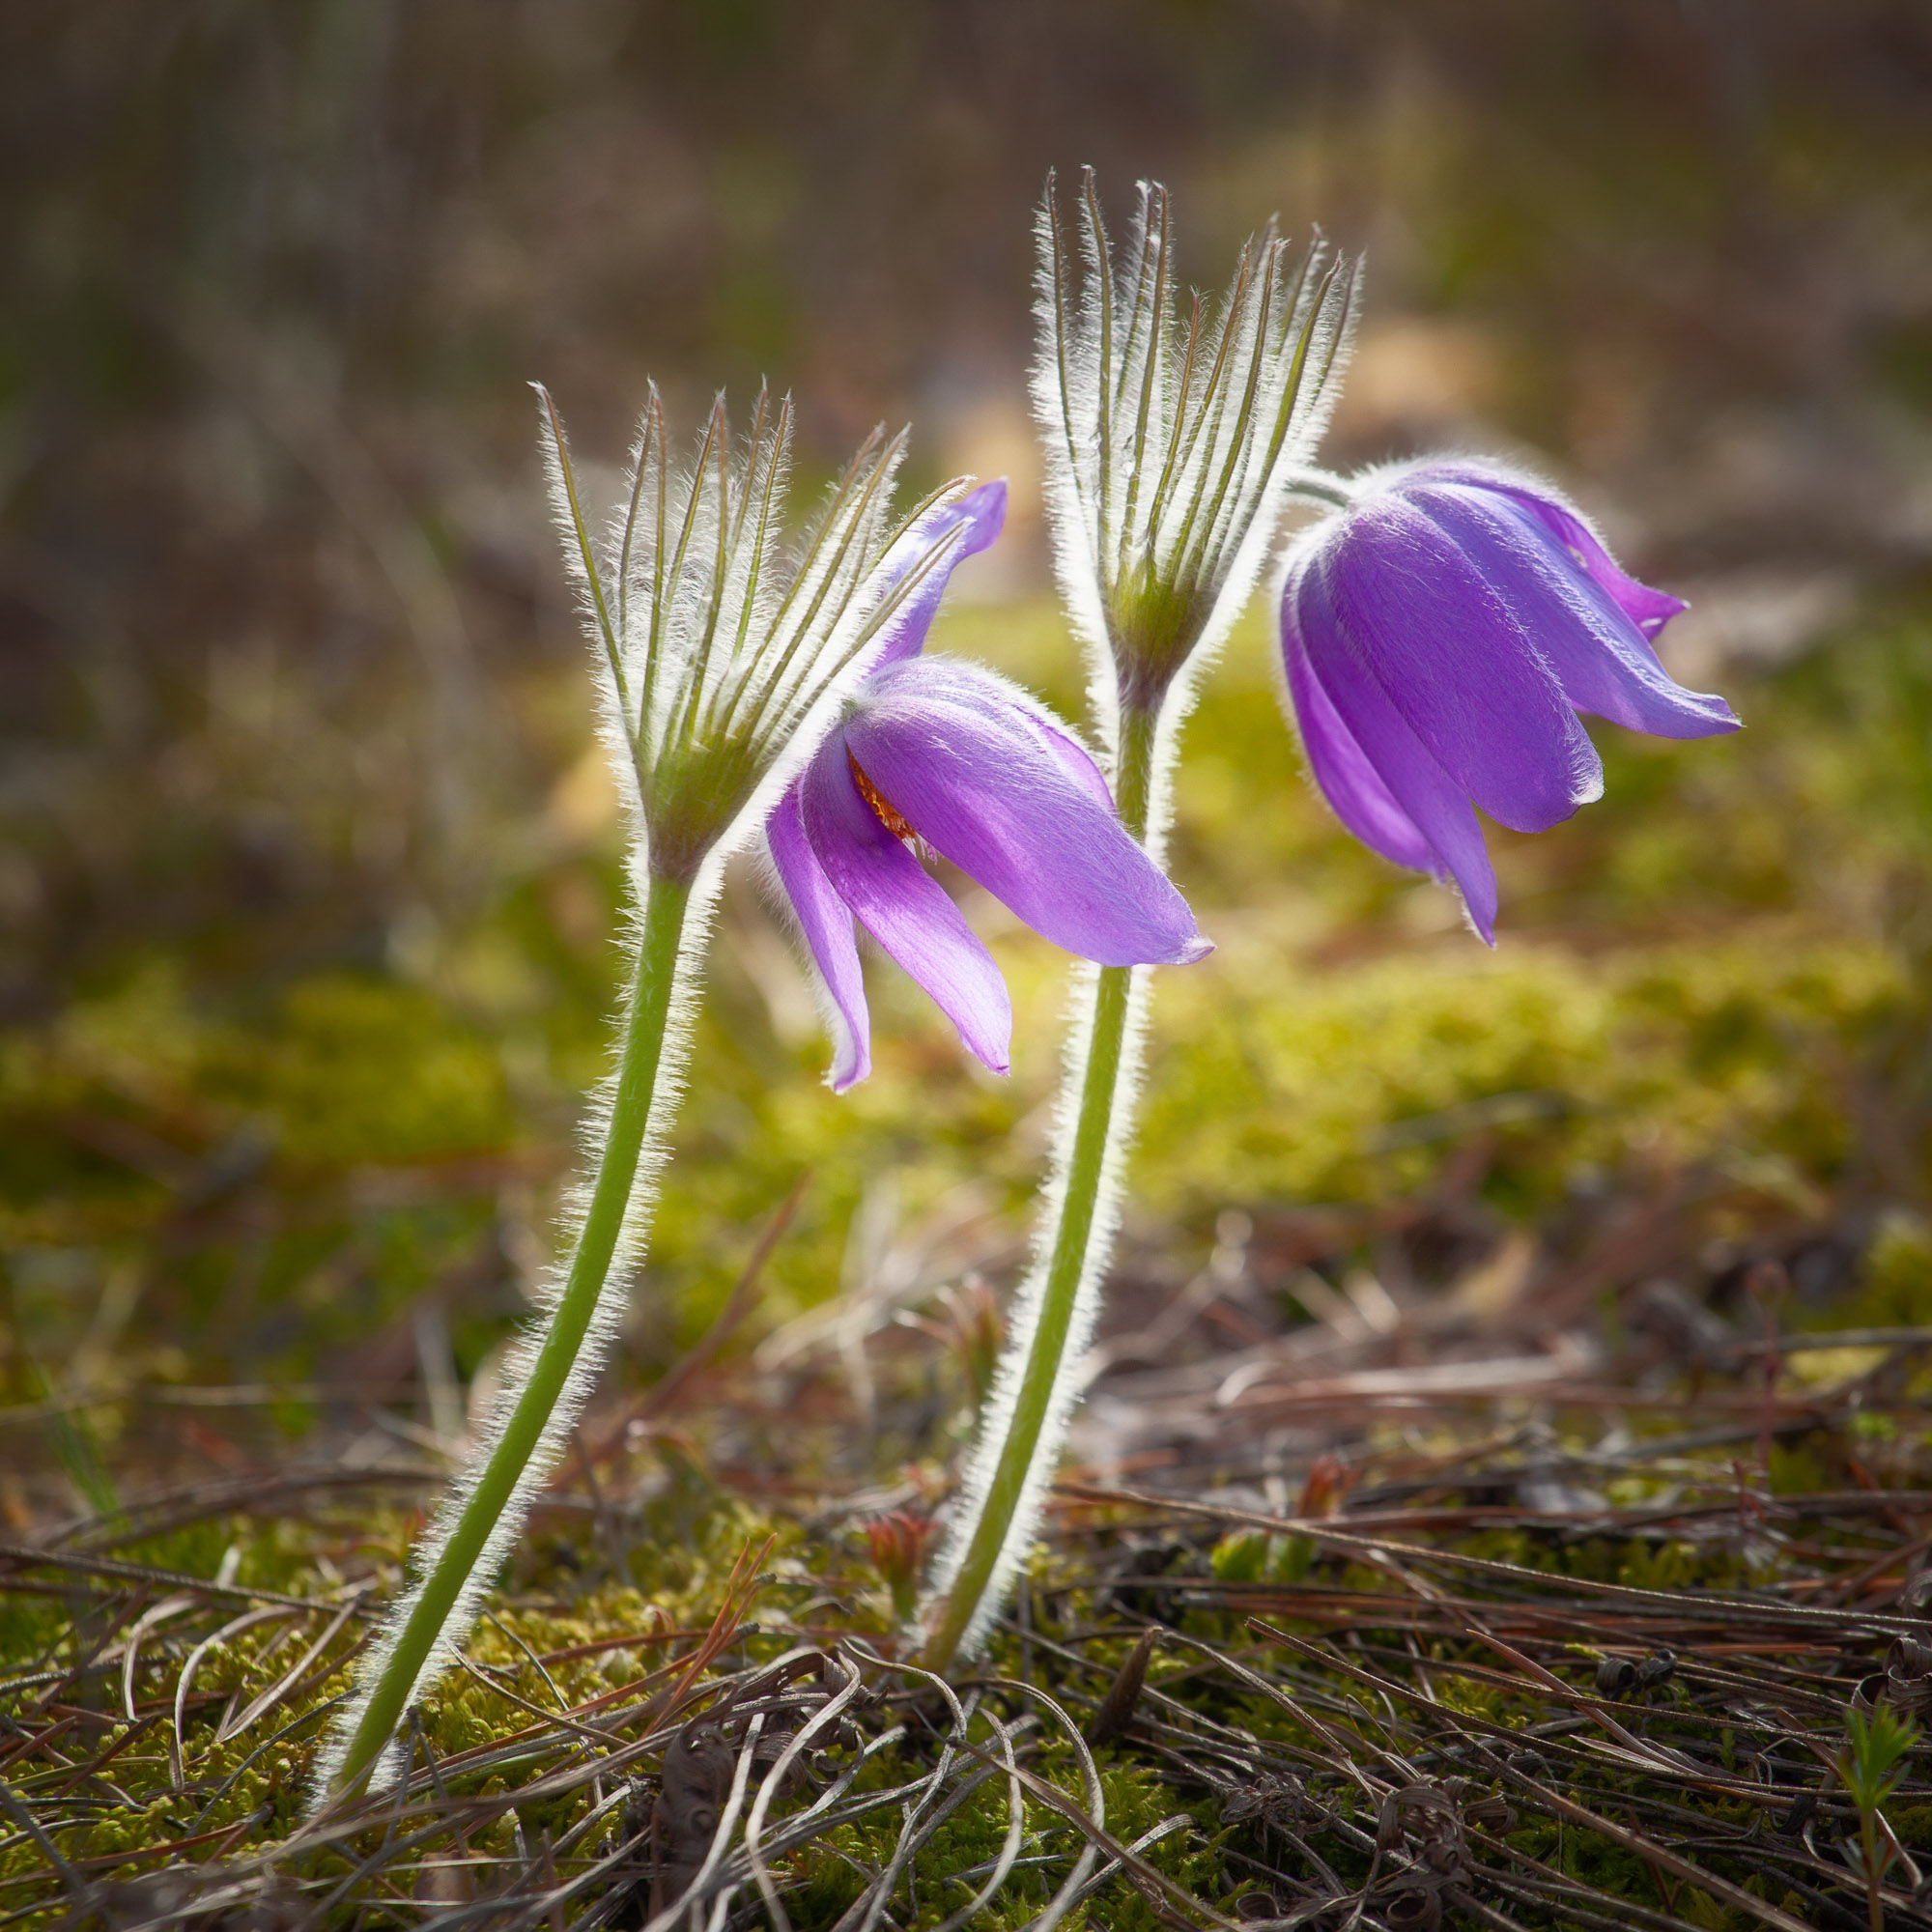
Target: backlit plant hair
{"x":1175,"y":433}
{"x":721,"y":651}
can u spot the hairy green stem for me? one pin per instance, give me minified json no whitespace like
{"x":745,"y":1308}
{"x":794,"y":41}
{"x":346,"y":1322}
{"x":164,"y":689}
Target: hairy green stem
{"x":643,"y":1071}
{"x":1108,"y":1081}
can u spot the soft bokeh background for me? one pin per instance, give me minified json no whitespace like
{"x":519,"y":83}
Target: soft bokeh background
{"x":308,"y":875}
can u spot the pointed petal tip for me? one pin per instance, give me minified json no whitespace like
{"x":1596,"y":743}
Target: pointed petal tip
{"x":1192,"y":953}
{"x":1686,"y":714}
{"x":1471,"y":876}
{"x":982,"y":512}
{"x":995,"y":1059}
{"x":968,"y":524}
{"x":847,"y":1070}
{"x":1480,"y":919}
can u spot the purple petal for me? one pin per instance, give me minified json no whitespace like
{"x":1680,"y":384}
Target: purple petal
{"x":1419,"y":615}
{"x":1603,"y":662}
{"x":826,"y":922}
{"x":978,"y":516}
{"x":1647,"y":609}
{"x":969,"y":772}
{"x":1352,"y":785}
{"x":1433,"y":801}
{"x":1073,"y":756}
{"x":906,"y":911}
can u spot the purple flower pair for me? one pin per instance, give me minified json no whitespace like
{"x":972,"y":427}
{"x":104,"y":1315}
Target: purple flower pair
{"x":1440,"y":634}
{"x":931,"y":751}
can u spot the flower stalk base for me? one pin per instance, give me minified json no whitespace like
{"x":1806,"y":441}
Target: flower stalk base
{"x":1035,"y":1390}
{"x":479,"y":1524}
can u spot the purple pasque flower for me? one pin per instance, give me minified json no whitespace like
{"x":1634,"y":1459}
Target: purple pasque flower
{"x":1440,"y":634}
{"x":935,"y":752}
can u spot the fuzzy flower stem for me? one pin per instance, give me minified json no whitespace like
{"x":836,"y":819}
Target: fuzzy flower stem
{"x":645,"y":1071}
{"x":1174,"y":437}
{"x":1100,"y":1114}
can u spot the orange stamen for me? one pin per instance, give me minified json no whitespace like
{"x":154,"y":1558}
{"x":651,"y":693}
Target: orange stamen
{"x":889,"y":816}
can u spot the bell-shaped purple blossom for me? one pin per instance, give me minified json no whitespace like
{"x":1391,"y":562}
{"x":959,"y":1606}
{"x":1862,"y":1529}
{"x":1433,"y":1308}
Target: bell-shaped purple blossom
{"x":1440,"y":634}
{"x":935,"y":752}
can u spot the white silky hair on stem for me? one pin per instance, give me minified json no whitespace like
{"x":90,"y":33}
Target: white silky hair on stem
{"x":1023,"y":1321}
{"x":1171,"y":453}
{"x":612,"y":1304}
{"x":721,"y":654}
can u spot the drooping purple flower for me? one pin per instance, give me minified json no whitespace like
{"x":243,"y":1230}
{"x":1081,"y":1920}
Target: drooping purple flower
{"x":931,"y":750}
{"x":1439,"y":636}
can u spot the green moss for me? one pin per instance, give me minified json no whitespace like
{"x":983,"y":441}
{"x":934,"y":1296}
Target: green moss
{"x":1293,"y":1079}
{"x":288,"y":1167}
{"x":1676,"y":986}
{"x":364,"y":1069}
{"x":1135,"y":1800}
{"x":1895,"y":1283}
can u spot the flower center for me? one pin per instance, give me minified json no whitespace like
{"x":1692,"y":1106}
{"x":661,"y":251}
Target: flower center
{"x":888,"y":814}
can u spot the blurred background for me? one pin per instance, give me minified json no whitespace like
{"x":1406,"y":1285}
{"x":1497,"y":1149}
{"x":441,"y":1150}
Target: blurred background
{"x":309,"y":874}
